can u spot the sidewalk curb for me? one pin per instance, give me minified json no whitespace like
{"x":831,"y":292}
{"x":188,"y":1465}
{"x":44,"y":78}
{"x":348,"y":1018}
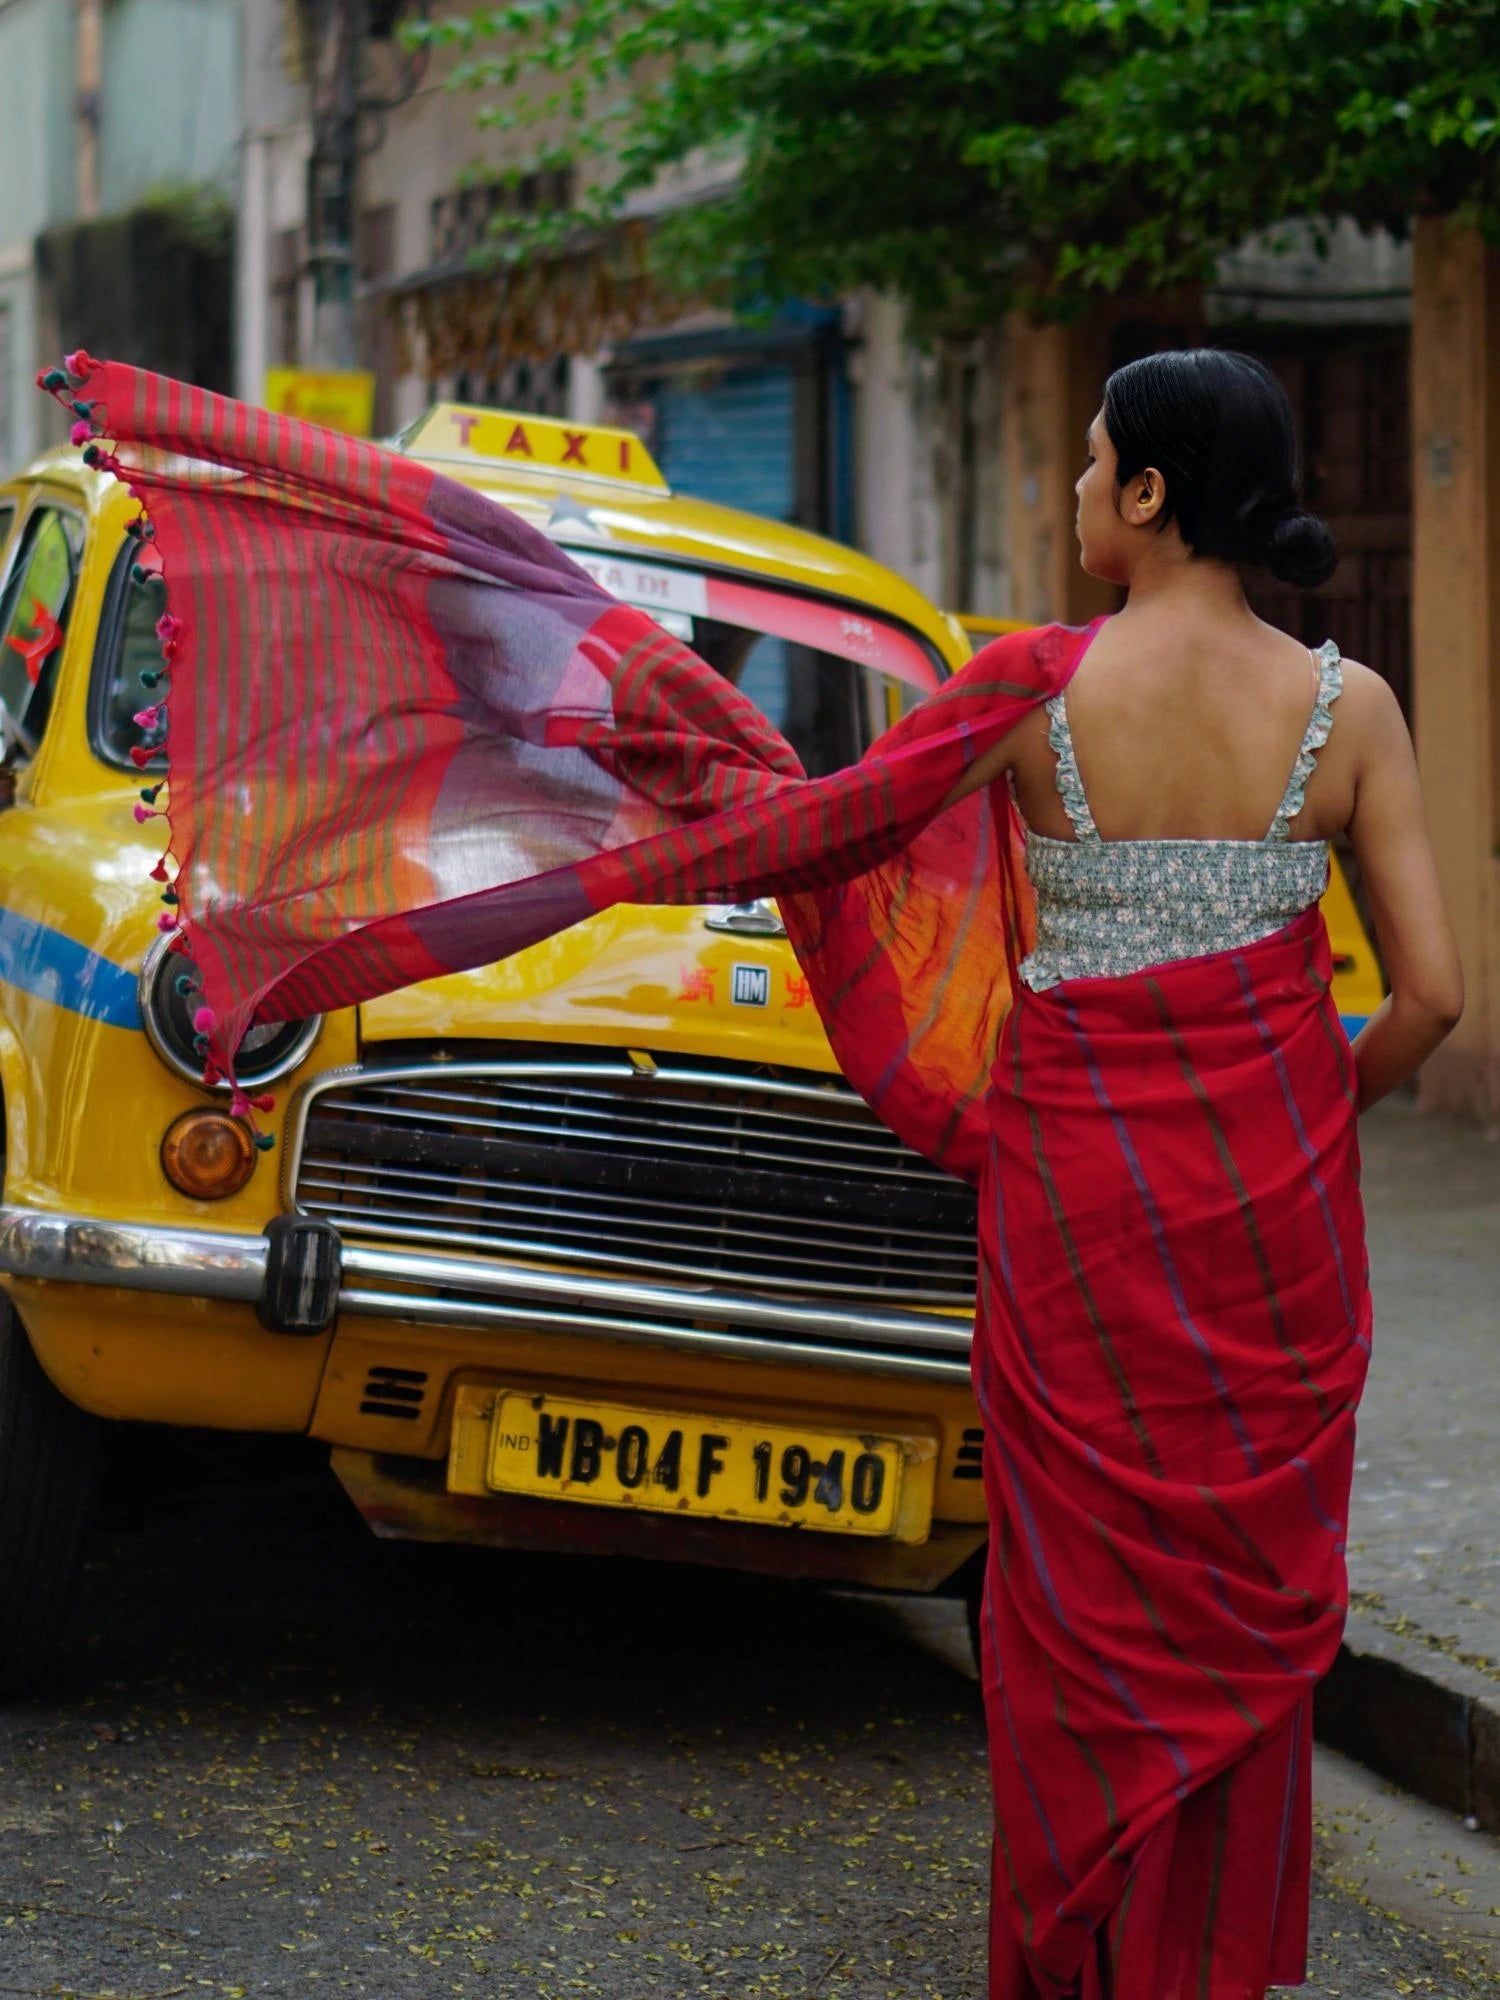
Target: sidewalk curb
{"x":1409,"y":1711}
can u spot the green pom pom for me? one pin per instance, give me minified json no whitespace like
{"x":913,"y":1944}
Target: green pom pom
{"x":92,"y":454}
{"x":264,"y":1142}
{"x":139,"y":574}
{"x":54,"y":379}
{"x":150,"y":677}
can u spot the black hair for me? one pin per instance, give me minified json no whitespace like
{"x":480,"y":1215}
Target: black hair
{"x":1218,"y":427}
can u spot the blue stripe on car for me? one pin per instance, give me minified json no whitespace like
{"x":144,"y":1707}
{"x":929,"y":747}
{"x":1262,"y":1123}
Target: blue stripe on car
{"x":54,"y":967}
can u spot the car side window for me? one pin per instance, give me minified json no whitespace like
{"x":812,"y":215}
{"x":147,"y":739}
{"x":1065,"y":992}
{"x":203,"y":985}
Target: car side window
{"x":128,"y":661}
{"x":34,"y":612}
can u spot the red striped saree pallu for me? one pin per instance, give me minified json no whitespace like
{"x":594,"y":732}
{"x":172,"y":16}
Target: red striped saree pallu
{"x":1173,"y":1337}
{"x":407,"y":735}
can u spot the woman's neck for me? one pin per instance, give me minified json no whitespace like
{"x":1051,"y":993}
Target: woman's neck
{"x":1173,"y":584}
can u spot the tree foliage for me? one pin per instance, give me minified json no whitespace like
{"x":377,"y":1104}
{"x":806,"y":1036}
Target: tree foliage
{"x":972,"y":155}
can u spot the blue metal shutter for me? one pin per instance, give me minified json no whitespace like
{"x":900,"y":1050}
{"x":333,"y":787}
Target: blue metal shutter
{"x":728,"y":437}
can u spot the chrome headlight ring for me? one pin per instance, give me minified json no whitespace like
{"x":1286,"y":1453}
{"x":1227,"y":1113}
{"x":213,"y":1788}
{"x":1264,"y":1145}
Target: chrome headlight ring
{"x":265,"y":1055}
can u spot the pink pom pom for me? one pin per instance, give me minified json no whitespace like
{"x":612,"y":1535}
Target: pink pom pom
{"x":142,"y":814}
{"x":168,"y":627}
{"x":239,"y":1105}
{"x":166,"y":921}
{"x":80,"y":433}
{"x":205,"y":1021}
{"x":147,"y":718}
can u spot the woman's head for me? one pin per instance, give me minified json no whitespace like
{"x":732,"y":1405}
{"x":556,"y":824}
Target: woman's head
{"x":1197,"y":444}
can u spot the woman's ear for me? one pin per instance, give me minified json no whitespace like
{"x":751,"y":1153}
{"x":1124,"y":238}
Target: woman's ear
{"x":1142,"y":497}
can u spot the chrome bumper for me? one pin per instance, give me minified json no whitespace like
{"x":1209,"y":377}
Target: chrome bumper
{"x":421,"y":1290}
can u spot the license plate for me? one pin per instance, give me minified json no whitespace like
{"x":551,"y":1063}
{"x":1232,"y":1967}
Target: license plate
{"x":612,"y":1455}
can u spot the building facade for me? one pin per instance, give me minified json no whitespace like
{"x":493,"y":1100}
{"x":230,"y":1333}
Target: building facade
{"x":103,"y":108}
{"x":956,"y":467}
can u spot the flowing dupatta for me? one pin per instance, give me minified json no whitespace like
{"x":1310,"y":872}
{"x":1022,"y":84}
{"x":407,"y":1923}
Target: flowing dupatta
{"x":408,"y":735}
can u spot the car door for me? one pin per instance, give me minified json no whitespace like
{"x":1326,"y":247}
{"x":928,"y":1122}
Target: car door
{"x":36,"y":601}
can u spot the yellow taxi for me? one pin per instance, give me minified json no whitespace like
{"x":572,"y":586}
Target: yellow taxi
{"x":589,"y":1250}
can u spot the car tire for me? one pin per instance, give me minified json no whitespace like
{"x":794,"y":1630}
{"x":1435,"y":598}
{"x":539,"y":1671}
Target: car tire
{"x":47,"y":1455}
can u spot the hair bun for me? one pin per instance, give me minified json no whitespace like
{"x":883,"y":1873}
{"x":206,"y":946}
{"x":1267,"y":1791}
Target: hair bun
{"x":1298,"y":548}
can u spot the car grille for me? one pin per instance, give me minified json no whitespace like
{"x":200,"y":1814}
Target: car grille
{"x":713,"y":1174}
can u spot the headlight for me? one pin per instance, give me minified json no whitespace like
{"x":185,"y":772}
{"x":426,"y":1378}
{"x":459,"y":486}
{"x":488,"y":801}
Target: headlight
{"x":167,"y":1016}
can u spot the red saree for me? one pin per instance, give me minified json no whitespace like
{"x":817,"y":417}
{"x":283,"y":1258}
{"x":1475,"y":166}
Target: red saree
{"x":408,"y":735}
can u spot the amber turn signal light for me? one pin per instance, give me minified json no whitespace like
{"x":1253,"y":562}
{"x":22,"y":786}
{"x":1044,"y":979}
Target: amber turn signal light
{"x":207,"y":1154}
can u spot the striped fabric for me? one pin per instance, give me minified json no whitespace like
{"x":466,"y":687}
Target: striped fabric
{"x":1175,"y":1333}
{"x":408,"y":735}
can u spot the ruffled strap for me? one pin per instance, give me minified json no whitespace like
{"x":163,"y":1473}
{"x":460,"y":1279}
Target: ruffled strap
{"x":1069,"y":783}
{"x":1330,"y":687}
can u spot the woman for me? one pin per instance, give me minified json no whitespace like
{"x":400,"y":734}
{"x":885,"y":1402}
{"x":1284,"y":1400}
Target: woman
{"x":1062,"y":928}
{"x":1178,"y":1322}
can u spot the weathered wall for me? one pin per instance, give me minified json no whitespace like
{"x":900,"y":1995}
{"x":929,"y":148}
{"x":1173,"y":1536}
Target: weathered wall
{"x":36,"y":187}
{"x":169,"y":110}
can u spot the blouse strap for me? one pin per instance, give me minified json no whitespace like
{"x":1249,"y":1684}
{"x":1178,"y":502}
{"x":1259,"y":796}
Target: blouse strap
{"x":1330,"y":687}
{"x":1069,"y":783}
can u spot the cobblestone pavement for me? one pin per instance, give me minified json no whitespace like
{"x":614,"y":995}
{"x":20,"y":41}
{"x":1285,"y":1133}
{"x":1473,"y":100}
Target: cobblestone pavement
{"x":282,"y":1759}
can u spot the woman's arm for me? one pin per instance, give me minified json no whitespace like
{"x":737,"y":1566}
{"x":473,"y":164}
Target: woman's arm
{"x":986,"y":768}
{"x":1416,"y":941}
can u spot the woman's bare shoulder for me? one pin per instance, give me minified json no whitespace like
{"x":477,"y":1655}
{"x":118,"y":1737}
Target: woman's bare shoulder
{"x":1368,"y":705}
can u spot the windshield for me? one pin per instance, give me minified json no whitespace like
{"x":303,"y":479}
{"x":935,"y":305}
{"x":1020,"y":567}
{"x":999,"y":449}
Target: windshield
{"x":831,"y":677}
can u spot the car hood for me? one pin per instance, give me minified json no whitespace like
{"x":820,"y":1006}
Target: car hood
{"x":651,"y":979}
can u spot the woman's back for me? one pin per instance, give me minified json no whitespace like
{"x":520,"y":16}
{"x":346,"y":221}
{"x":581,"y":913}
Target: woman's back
{"x":1183,"y":734}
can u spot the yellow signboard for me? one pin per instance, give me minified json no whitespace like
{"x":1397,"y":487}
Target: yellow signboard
{"x":547,"y":444}
{"x":339,"y":400}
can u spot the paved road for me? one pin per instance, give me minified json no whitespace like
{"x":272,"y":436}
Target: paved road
{"x":284,"y":1760}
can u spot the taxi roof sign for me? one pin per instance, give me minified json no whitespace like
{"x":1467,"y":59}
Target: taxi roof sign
{"x":461,"y":431}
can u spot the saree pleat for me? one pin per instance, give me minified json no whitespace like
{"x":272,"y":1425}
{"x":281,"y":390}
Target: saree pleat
{"x":408,"y":736}
{"x":1173,"y":1337}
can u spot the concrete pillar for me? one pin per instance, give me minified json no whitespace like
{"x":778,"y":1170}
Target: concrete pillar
{"x":252,"y":270}
{"x":896,"y":508}
{"x":1456,"y":628}
{"x":1051,"y":379}
{"x":88,"y":83}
